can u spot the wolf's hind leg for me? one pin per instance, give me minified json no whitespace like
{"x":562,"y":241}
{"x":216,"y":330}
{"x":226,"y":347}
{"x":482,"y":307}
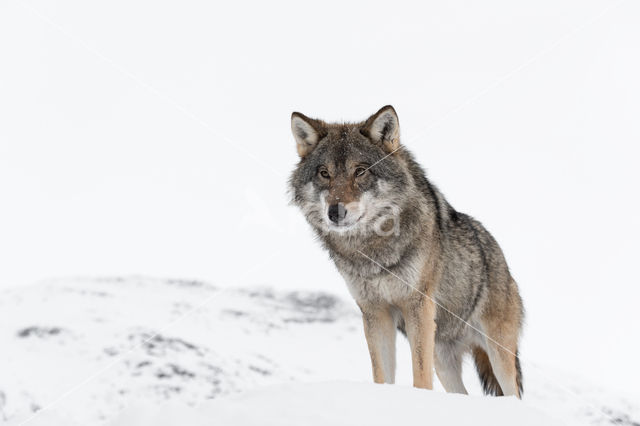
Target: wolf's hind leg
{"x":380,"y":331}
{"x":503,"y":363}
{"x":502,"y":349}
{"x":502,"y":325}
{"x":448,"y":361}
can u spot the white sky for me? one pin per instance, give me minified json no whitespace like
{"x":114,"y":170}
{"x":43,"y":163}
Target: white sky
{"x":141,"y":137}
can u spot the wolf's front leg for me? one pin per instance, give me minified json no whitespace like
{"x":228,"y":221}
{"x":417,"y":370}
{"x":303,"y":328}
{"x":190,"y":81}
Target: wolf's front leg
{"x":380,"y":331}
{"x":420,"y":325}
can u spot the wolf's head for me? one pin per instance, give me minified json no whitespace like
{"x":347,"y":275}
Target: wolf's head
{"x":349,"y":178}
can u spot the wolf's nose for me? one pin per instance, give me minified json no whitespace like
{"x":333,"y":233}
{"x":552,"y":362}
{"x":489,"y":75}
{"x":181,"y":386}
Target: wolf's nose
{"x":337,"y":212}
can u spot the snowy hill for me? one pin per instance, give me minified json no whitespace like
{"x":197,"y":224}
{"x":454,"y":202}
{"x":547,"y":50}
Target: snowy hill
{"x":343,"y":404}
{"x":86,"y":349}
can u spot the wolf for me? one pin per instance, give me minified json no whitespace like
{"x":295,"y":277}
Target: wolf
{"x":409,"y":259}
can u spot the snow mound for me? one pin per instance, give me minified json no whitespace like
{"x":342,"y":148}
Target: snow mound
{"x":86,"y":349}
{"x":342,"y":403}
{"x":154,"y":340}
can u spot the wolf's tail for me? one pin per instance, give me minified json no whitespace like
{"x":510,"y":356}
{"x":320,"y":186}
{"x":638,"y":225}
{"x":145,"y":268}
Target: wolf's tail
{"x":519,"y":375}
{"x":488,"y":379}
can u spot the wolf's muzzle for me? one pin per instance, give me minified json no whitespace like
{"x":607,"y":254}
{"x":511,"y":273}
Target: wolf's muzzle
{"x":337,"y":212}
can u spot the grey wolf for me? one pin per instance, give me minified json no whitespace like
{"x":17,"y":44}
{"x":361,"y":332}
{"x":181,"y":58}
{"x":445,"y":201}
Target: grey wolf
{"x":410,"y":260}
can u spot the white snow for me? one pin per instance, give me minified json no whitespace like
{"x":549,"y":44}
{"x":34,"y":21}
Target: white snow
{"x":90,"y":348}
{"x":343,"y":404}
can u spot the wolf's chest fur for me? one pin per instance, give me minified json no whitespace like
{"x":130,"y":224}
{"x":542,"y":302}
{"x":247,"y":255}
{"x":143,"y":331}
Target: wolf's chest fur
{"x":370,"y":279}
{"x":384,"y":287}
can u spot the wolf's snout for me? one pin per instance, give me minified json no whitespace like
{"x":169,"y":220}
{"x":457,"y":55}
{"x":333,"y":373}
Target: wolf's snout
{"x":337,"y":212}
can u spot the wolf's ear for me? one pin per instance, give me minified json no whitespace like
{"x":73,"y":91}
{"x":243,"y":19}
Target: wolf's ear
{"x":383,"y":129}
{"x":307,"y":132}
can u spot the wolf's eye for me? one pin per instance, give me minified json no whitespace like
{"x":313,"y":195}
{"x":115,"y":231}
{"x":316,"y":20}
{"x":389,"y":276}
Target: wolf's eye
{"x":360,"y":171}
{"x":324,"y":174}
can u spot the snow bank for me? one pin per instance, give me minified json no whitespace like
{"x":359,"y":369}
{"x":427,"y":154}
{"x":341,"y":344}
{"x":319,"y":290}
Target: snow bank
{"x":341,"y":403}
{"x":245,"y":339}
